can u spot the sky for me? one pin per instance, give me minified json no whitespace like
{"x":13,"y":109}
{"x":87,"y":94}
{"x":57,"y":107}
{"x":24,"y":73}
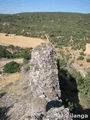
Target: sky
{"x":18,"y":6}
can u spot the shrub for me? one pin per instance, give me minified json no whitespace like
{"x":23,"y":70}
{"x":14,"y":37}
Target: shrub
{"x":80,"y":58}
{"x":86,"y":89}
{"x":0,"y":72}
{"x":6,"y":34}
{"x":83,"y":84}
{"x":88,"y":60}
{"x":11,"y":46}
{"x":5,"y":53}
{"x":61,"y":62}
{"x":68,"y":56}
{"x":71,"y":105}
{"x":82,"y":53}
{"x":26,"y":54}
{"x":81,"y":64}
{"x":11,"y":67}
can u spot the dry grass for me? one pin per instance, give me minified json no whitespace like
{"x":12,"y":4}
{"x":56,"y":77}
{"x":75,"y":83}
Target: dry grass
{"x":83,"y":102}
{"x":20,"y":41}
{"x":87,"y":49}
{"x":9,"y":78}
{"x":74,"y":55}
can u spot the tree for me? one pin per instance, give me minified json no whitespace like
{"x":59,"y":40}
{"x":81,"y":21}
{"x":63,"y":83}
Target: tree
{"x":5,"y":53}
{"x":11,"y":67}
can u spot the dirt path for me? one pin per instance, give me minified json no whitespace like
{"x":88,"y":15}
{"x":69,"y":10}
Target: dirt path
{"x":20,"y":41}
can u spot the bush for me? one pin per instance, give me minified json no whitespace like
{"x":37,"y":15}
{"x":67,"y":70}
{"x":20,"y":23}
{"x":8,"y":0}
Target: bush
{"x":5,"y":53}
{"x":61,"y":62}
{"x":71,"y":105}
{"x":17,"y":52}
{"x":0,"y":72}
{"x":86,"y":88}
{"x":80,"y":58}
{"x":6,"y":34}
{"x":27,"y":56}
{"x":68,"y":56}
{"x":81,"y":64}
{"x":83,"y":84}
{"x":88,"y":60}
{"x":11,"y":67}
{"x":82,"y":53}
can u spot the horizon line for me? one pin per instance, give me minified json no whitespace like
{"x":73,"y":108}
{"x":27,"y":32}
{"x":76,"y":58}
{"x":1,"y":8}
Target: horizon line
{"x":42,"y":12}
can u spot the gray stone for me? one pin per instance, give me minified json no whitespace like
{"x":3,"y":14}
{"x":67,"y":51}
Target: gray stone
{"x":37,"y":95}
{"x":44,"y":84}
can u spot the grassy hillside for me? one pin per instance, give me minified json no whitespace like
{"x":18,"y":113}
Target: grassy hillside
{"x":67,"y":31}
{"x":62,"y":28}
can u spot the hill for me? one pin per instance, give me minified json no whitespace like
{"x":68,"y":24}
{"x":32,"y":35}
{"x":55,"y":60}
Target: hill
{"x":69,"y":33}
{"x":62,"y":28}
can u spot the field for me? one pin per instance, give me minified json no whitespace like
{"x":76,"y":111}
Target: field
{"x":21,"y":41}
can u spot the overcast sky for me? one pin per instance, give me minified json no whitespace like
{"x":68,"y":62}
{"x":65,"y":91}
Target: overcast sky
{"x":18,"y":6}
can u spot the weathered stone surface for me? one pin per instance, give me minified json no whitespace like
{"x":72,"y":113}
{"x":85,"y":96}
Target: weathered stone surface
{"x":44,"y":83}
{"x":60,"y":113}
{"x":37,"y":95}
{"x":43,"y":78}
